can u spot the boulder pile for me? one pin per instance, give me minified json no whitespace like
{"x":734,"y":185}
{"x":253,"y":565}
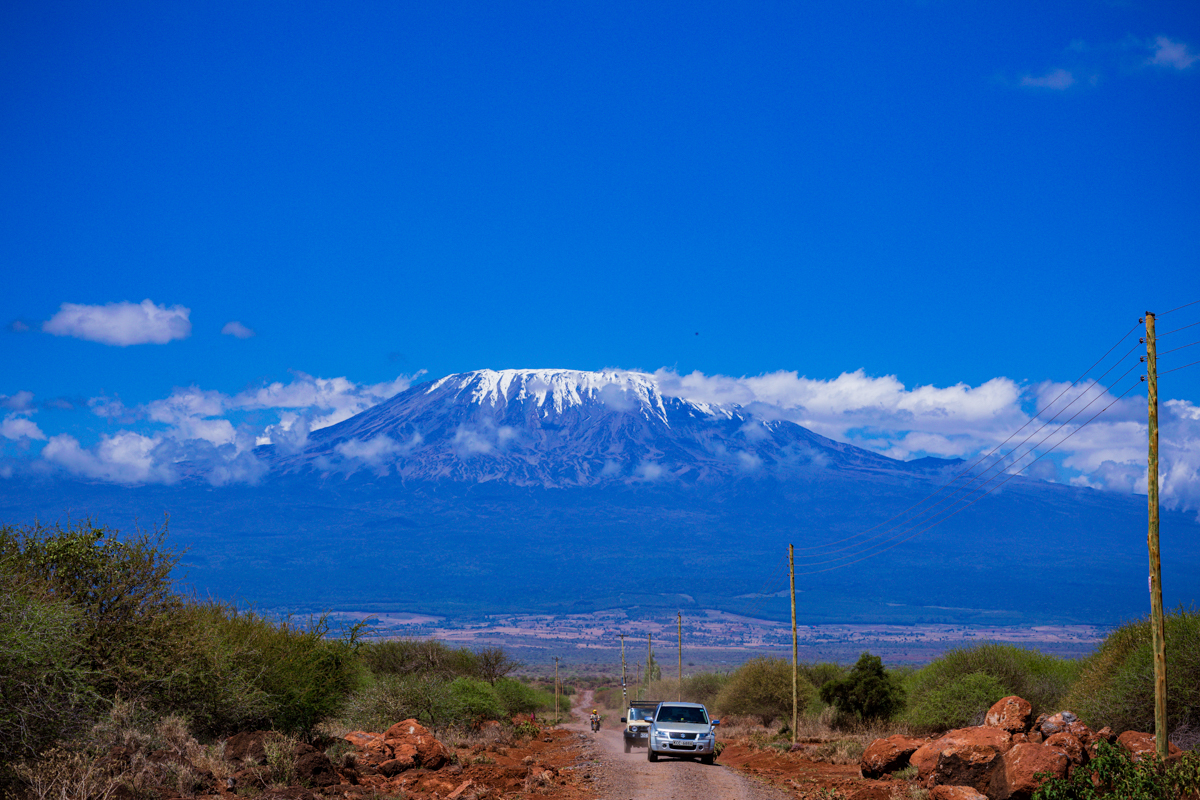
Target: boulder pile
{"x":1000,"y":759}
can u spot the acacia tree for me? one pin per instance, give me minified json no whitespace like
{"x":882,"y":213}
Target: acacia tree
{"x":868,"y":692}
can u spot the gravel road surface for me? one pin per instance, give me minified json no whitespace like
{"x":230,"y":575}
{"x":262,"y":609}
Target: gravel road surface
{"x":621,"y":776}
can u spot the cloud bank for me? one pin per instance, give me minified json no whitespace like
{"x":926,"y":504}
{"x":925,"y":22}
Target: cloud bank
{"x":121,"y":324}
{"x":212,"y":434}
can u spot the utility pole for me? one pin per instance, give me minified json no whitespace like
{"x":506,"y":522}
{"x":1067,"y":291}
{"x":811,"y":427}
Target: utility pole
{"x":679,"y":691}
{"x":649,"y":661}
{"x":795,"y":643}
{"x":556,"y":690}
{"x":624,"y":691}
{"x":1157,"y":627}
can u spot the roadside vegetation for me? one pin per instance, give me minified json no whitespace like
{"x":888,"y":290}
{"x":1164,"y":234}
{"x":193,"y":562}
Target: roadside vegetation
{"x":98,"y":651}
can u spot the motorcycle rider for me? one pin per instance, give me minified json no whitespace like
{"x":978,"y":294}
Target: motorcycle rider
{"x":595,"y":720}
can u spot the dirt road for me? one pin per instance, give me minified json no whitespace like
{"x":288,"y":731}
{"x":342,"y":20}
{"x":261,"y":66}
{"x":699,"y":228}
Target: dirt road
{"x":621,"y":776}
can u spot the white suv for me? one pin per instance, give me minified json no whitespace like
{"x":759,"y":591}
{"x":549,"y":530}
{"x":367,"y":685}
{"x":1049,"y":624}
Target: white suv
{"x":684,"y":730}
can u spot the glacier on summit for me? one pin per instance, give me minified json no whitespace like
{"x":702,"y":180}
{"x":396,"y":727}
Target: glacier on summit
{"x":560,"y":428}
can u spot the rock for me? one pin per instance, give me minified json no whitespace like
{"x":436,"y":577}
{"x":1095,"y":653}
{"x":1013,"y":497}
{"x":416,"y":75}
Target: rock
{"x":1013,"y":714}
{"x":962,"y":757}
{"x":1081,"y":732}
{"x":248,"y":746}
{"x":955,"y":793}
{"x":1069,"y":744}
{"x":393,"y":767}
{"x":288,"y":793}
{"x":1141,"y":745}
{"x":371,"y":746}
{"x":1014,"y":778}
{"x":884,"y":756}
{"x":1057,"y":723}
{"x":314,"y":768}
{"x":411,"y":736}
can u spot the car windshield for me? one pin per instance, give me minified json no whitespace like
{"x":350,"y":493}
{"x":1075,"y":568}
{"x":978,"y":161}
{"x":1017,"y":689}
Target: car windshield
{"x":638,"y":714}
{"x":688,"y":714}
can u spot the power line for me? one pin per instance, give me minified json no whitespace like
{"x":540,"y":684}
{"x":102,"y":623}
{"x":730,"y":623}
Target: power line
{"x":976,"y":500}
{"x":1000,"y":461}
{"x":1185,"y":305}
{"x":1185,"y":366}
{"x":1173,"y":349}
{"x":980,"y":459}
{"x":993,"y":478}
{"x":1177,"y":330}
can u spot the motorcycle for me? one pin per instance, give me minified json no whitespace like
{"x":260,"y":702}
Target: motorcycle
{"x":595,"y":724}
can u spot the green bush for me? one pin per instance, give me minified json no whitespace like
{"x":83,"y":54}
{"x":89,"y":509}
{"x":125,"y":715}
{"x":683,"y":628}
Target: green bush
{"x":1116,"y":687}
{"x":763,"y":687}
{"x":120,"y":589}
{"x":964,"y":701}
{"x":1113,"y":774}
{"x":474,"y":701}
{"x":519,"y":698}
{"x":820,"y":674}
{"x":44,"y":695}
{"x":943,"y":694}
{"x":866,"y":692}
{"x":427,"y":657}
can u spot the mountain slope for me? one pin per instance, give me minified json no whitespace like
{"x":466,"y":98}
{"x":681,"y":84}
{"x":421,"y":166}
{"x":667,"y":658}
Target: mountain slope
{"x":560,"y":428}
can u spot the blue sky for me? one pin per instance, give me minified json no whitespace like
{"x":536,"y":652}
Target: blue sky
{"x":931,"y":193}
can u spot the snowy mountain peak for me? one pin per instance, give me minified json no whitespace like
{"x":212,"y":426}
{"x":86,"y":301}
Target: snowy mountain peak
{"x":561,"y":389}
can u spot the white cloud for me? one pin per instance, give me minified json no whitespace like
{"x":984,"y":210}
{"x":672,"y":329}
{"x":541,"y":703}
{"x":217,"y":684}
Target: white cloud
{"x":377,"y":452}
{"x":18,"y":427}
{"x":1168,"y":53}
{"x":235,"y":328}
{"x":1058,"y":79}
{"x":125,"y":457}
{"x":121,"y":324}
{"x":21,"y":401}
{"x":648,"y":471}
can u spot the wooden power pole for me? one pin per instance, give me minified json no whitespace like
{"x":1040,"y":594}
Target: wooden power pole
{"x":556,"y":690}
{"x":649,"y":661}
{"x":795,"y":643}
{"x":1157,"y":627}
{"x":624,"y":691}
{"x":679,"y":689}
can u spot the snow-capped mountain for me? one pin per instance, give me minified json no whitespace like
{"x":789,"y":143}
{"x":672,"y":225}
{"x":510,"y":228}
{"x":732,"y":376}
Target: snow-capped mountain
{"x":559,"y":428}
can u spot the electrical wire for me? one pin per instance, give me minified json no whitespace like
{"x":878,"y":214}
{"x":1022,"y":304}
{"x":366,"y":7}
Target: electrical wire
{"x":989,"y":480}
{"x":953,"y":497}
{"x":976,"y":500}
{"x":1177,"y":330}
{"x":1176,"y":369}
{"x":1173,"y":349}
{"x":1185,"y":305}
{"x":980,"y":459}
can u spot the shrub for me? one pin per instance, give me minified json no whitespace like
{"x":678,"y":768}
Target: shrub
{"x":867,"y":692}
{"x":120,"y":588}
{"x":1112,"y":773}
{"x":519,"y":698}
{"x":940,"y":696}
{"x":1117,"y":684}
{"x":763,"y":687}
{"x":474,"y":701}
{"x":963,"y":701}
{"x":426,"y":657}
{"x":45,"y":696}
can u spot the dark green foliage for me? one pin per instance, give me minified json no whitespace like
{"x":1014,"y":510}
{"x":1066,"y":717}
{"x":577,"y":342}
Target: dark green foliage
{"x":763,"y":687}
{"x":958,"y":688}
{"x":704,"y":687}
{"x":867,"y":692}
{"x":1117,"y":684}
{"x":820,"y":674}
{"x":1112,"y":774}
